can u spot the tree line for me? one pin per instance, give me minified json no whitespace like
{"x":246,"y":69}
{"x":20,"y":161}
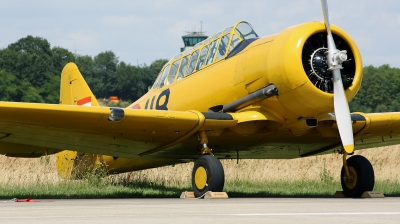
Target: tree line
{"x":30,"y":72}
{"x":380,"y":90}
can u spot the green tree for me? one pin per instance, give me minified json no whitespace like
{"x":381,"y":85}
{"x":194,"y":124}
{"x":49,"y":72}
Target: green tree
{"x":105,"y":66}
{"x":30,"y":63}
{"x":8,"y":86}
{"x":61,"y":57}
{"x":126,"y":77}
{"x":30,"y":59}
{"x":31,"y":70}
{"x":379,"y":91}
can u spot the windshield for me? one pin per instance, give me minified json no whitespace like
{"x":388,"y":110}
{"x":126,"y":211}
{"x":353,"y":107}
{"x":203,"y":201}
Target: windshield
{"x":246,"y":31}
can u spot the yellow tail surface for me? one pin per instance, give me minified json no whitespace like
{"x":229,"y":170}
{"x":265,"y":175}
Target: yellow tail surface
{"x":75,"y":91}
{"x":73,"y":88}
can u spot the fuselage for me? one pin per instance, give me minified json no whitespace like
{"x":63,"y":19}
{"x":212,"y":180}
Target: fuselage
{"x":276,"y":127}
{"x":275,"y":59}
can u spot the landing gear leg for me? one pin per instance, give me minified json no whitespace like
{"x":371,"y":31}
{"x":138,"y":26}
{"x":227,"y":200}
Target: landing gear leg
{"x":204,"y":144}
{"x":208,"y":173}
{"x":357,"y":176}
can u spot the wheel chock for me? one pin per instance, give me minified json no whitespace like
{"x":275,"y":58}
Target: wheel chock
{"x":187,"y":194}
{"x":372,"y":194}
{"x":339,"y":194}
{"x":216,"y":195}
{"x":208,"y":195}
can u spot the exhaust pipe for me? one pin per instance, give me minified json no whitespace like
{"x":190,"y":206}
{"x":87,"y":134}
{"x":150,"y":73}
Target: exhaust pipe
{"x":256,"y":96}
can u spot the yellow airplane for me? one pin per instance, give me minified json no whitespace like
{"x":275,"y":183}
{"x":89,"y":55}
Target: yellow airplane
{"x":244,"y":96}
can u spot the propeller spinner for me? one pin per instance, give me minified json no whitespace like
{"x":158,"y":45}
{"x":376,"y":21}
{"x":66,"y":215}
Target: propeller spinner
{"x":335,"y":58}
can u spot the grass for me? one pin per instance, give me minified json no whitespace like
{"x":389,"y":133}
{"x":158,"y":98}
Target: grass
{"x":120,"y":103}
{"x":316,"y":176}
{"x":71,"y":189}
{"x":85,"y":189}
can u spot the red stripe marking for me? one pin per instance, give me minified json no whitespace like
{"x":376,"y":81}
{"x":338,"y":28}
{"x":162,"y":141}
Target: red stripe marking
{"x":84,"y":100}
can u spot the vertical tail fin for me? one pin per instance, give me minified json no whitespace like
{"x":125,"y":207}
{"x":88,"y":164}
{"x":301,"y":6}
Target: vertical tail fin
{"x":74,"y":89}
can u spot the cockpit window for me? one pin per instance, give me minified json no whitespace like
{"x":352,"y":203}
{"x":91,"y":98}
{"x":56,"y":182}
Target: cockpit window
{"x":213,"y":48}
{"x":164,"y":75}
{"x":172,"y":72}
{"x":183,"y":68}
{"x":202,"y":57}
{"x":155,"y":85}
{"x":245,"y":31}
{"x":216,"y":35}
{"x":188,"y":50}
{"x":177,"y":56}
{"x":227,"y":30}
{"x":234,"y":42}
{"x":192,"y":63}
{"x":197,"y":46}
{"x":222,"y":46}
{"x":206,"y":41}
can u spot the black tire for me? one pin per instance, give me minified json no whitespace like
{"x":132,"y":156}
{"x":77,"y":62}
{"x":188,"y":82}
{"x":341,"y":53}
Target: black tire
{"x":210,"y":175}
{"x":362,"y":181}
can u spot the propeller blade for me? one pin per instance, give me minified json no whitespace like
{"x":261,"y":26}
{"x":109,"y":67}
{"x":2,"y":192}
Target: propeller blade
{"x":342,"y":113}
{"x":335,"y":59}
{"x":326,"y":16}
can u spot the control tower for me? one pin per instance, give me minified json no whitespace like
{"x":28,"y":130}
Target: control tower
{"x":192,"y":39}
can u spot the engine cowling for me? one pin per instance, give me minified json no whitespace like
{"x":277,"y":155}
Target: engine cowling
{"x":295,"y":65}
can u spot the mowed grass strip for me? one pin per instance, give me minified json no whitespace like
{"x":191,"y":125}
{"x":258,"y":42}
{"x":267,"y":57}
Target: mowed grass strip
{"x":315,"y":176}
{"x":71,"y":189}
{"x":104,"y":189}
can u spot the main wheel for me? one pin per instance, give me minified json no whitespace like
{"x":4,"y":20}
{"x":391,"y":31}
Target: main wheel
{"x":361,"y":177}
{"x":208,"y":175}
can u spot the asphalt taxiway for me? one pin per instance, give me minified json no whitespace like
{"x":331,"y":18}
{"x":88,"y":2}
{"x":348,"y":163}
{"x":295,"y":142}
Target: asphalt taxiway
{"x":234,"y":210}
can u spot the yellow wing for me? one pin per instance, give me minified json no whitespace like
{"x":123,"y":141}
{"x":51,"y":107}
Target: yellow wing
{"x":31,"y":130}
{"x":380,"y":129}
{"x":370,"y":130}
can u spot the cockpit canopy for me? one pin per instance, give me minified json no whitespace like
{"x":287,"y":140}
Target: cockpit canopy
{"x":222,"y":45}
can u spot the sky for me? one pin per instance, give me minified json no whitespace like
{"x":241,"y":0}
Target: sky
{"x":140,"y":32}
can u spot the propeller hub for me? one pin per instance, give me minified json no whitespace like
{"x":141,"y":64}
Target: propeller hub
{"x":335,"y":58}
{"x":339,"y":57}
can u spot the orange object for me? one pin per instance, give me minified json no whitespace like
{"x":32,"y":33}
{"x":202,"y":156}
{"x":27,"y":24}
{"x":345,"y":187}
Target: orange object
{"x":114,"y":99}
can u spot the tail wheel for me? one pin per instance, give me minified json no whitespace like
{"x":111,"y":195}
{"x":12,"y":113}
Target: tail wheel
{"x":361,"y":177}
{"x":208,"y":175}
